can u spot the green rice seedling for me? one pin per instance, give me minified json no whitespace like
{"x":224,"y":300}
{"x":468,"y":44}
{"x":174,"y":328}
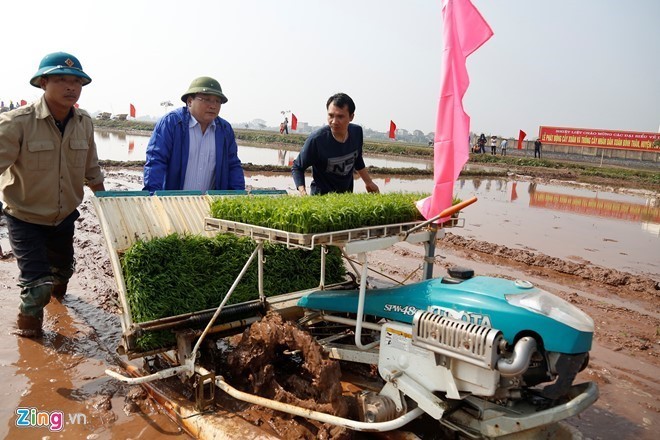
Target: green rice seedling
{"x":327,"y":213}
{"x":177,"y":274}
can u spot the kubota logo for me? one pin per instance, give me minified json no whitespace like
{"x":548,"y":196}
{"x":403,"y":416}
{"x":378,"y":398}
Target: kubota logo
{"x":460,"y":315}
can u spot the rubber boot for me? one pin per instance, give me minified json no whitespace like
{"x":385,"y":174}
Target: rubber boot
{"x":60,"y":281}
{"x":34,"y":297}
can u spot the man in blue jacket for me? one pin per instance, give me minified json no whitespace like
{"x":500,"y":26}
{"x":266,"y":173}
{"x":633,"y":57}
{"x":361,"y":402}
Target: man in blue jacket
{"x":192,"y":148}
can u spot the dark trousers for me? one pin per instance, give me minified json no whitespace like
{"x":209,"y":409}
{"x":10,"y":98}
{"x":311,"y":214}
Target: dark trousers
{"x":537,"y":151}
{"x":43,"y":251}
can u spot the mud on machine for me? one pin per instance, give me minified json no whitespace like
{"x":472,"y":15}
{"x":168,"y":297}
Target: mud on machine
{"x":486,"y":357}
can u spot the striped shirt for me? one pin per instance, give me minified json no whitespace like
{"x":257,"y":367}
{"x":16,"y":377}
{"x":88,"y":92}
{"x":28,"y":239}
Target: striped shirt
{"x":200,"y":172}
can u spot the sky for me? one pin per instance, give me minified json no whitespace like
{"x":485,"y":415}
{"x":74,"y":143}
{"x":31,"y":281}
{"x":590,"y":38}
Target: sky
{"x":568,"y":63}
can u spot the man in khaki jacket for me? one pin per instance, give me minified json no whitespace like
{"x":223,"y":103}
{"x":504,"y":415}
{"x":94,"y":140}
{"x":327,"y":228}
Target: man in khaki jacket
{"x":47,"y":155}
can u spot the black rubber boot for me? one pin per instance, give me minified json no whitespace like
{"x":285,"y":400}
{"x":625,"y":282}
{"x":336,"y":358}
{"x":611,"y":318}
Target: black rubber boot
{"x":34,"y":297}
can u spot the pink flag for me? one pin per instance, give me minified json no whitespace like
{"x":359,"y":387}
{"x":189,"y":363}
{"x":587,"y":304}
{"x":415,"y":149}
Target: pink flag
{"x":465,"y":30}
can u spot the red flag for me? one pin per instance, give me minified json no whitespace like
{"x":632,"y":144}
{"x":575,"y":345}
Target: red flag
{"x":23,"y":102}
{"x":132,"y":111}
{"x":294,"y":122}
{"x":392,"y":134}
{"x":464,"y":31}
{"x":521,"y":136}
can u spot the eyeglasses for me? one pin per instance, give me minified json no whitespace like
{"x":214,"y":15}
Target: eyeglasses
{"x":209,"y":101}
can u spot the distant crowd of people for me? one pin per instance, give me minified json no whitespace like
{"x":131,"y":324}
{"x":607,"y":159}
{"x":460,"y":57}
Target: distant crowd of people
{"x":480,"y":146}
{"x":10,"y":107}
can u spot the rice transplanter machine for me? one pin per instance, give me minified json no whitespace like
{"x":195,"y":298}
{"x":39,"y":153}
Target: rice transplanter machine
{"x":486,"y":357}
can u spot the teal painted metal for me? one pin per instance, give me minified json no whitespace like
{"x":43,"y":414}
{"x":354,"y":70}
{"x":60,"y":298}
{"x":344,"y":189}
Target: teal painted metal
{"x":479,"y":300}
{"x":253,"y":192}
{"x":178,"y":193}
{"x":265,"y":192}
{"x":227,"y":192}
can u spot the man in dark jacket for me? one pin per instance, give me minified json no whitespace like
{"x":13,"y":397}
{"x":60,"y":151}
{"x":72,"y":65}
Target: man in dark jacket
{"x":192,"y":148}
{"x":334,"y":152}
{"x":537,"y":148}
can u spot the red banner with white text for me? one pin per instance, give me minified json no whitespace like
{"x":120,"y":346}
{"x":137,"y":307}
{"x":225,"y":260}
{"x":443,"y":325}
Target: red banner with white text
{"x":587,"y":137}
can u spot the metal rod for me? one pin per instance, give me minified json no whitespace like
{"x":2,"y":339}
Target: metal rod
{"x":362,"y":258}
{"x":198,"y":317}
{"x":352,"y":263}
{"x":322,"y":281}
{"x":193,"y":355}
{"x":429,"y":247}
{"x":349,"y":321}
{"x":260,"y":272}
{"x":229,"y":326}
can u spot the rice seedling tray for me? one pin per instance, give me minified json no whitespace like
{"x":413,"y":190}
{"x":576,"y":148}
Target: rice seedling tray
{"x":310,"y":240}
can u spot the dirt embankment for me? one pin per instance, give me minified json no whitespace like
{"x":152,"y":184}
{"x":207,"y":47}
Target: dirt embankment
{"x":591,"y":175}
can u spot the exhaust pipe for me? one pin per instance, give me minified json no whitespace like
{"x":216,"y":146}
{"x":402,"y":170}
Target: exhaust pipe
{"x":519,"y":361}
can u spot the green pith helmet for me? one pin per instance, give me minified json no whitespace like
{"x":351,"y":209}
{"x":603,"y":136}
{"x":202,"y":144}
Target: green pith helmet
{"x":60,"y":63}
{"x":207,"y":85}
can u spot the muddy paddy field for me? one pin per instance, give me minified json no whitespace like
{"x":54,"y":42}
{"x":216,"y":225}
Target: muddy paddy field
{"x":64,"y":371}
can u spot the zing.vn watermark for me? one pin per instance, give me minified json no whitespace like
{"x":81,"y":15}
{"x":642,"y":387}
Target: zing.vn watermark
{"x":53,"y":420}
